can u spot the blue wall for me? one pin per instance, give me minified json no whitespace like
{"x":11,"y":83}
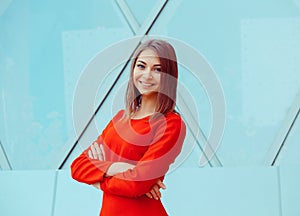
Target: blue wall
{"x":252,"y":47}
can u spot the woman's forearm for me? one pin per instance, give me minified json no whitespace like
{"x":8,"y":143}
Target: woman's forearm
{"x":118,"y":167}
{"x":114,"y":169}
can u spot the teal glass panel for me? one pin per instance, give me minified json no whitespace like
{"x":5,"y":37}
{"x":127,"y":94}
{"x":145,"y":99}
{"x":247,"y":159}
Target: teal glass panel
{"x":290,"y":190}
{"x":27,"y":192}
{"x":222,"y":191}
{"x":254,"y":48}
{"x":44,"y":46}
{"x":74,"y":198}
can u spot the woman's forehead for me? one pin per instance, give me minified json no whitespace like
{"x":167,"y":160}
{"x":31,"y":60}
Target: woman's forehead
{"x":149,"y":55}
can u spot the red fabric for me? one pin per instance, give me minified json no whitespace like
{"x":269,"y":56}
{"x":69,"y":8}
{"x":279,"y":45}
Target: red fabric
{"x":151,"y":144}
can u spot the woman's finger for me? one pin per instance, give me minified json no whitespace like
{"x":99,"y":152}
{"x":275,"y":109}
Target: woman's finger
{"x":161,"y":184}
{"x":98,"y":150}
{"x":103,"y":152}
{"x":155,"y":192}
{"x":149,"y":195}
{"x":90,"y":154}
{"x":94,"y":152}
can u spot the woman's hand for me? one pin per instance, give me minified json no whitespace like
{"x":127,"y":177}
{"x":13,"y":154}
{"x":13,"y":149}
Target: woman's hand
{"x":97,"y":152}
{"x":155,"y":193}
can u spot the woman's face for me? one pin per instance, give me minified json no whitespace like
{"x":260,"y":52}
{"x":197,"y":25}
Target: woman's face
{"x":147,"y":72}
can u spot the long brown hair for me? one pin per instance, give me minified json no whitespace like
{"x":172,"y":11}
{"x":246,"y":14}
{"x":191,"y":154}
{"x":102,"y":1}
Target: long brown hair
{"x":166,"y":96}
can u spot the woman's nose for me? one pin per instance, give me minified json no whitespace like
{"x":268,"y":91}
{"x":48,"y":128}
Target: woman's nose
{"x":148,"y":73}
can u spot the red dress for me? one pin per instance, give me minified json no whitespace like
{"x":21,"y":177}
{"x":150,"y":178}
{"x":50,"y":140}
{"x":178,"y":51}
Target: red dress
{"x":152,"y":144}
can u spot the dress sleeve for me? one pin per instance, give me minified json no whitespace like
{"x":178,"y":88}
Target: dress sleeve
{"x":166,"y":146}
{"x":90,"y":171}
{"x":87,"y":170}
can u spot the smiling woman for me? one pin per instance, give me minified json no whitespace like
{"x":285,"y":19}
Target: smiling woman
{"x":154,"y":62}
{"x":130,"y":158}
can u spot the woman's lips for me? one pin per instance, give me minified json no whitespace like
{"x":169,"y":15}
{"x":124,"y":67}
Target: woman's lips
{"x":146,"y":84}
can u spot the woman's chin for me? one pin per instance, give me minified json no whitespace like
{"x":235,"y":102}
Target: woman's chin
{"x":148,"y":93}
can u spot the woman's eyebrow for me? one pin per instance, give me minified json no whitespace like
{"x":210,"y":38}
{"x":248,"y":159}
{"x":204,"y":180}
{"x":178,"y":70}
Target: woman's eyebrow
{"x":156,"y":65}
{"x":141,"y":61}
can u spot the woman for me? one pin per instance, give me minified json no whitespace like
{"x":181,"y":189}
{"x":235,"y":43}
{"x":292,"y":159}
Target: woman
{"x":130,"y":158}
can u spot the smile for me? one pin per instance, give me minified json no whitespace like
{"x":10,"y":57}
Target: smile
{"x":146,"y":85}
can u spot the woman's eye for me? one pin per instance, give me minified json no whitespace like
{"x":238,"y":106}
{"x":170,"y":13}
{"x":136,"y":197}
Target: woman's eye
{"x":140,"y":66}
{"x":157,"y":69}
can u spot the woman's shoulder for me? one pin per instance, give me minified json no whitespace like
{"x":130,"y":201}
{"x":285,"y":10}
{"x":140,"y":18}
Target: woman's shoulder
{"x":119,"y":114}
{"x":174,"y":118}
{"x":174,"y":115}
{"x":172,"y":121}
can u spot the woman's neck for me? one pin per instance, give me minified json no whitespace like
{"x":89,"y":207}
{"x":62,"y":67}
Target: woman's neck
{"x":148,"y":106}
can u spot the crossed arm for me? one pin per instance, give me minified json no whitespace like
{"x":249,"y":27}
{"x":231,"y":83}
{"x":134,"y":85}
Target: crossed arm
{"x":132,"y":180}
{"x":97,"y":152}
